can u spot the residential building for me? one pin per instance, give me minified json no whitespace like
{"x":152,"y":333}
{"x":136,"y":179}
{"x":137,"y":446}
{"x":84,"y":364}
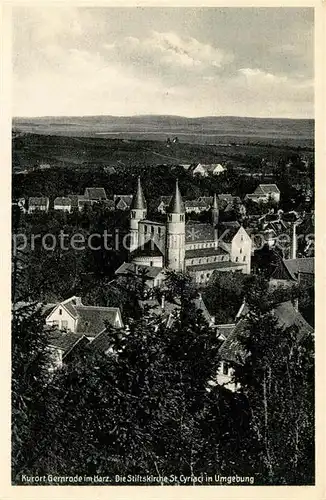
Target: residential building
{"x":71,"y":315}
{"x":206,"y":170}
{"x":264,"y":193}
{"x":38,"y":204}
{"x":95,"y":194}
{"x":62,"y":203}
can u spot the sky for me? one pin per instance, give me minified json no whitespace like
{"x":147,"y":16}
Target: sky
{"x":77,"y":61}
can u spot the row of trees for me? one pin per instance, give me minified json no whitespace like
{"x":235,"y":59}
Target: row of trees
{"x":148,"y":408}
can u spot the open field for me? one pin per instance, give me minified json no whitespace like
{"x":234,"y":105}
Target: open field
{"x":206,"y":130}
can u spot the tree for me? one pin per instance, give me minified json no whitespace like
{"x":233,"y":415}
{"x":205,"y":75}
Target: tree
{"x":278,"y":380}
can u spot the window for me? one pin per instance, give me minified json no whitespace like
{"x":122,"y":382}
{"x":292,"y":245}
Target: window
{"x":240,"y":250}
{"x":64,"y":324}
{"x":152,"y":229}
{"x":236,"y":259}
{"x":55,"y":322}
{"x":182,"y":218}
{"x":145,"y":228}
{"x":159,"y":230}
{"x":170,"y":217}
{"x":151,"y":263}
{"x":60,"y":312}
{"x":208,"y":275}
{"x":214,"y":259}
{"x":225,"y":368}
{"x":241,"y":237}
{"x":133,"y":215}
{"x":201,"y":276}
{"x":244,"y":258}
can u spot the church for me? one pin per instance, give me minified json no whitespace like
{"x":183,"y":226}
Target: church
{"x":193,"y":247}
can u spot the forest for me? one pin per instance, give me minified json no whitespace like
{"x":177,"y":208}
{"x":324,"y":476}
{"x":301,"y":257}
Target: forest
{"x":148,"y":407}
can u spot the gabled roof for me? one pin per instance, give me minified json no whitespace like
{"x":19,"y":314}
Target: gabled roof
{"x":205,"y":252}
{"x":101,"y":343}
{"x":95,"y":193}
{"x":286,"y":316}
{"x":269,"y":188}
{"x":149,"y":249}
{"x":225,"y":330}
{"x":64,"y":341}
{"x":38,"y":201}
{"x":62,"y":201}
{"x":128,"y":268}
{"x":197,"y":232}
{"x":196,"y":204}
{"x":91,"y":319}
{"x":124,"y":199}
{"x":297,"y":266}
{"x":215,"y":266}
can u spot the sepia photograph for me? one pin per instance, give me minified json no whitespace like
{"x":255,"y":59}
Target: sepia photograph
{"x":163,"y":246}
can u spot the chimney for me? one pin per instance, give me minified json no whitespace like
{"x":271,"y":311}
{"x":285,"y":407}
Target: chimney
{"x":163,"y":301}
{"x":294,"y":242}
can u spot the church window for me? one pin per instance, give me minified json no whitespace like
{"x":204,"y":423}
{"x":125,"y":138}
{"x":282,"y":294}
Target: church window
{"x":244,"y":258}
{"x":240,"y":250}
{"x":241,"y":237}
{"x":236,"y":259}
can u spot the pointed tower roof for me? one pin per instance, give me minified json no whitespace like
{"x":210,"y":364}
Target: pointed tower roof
{"x":215,"y":205}
{"x":176,"y":205}
{"x":138,"y":200}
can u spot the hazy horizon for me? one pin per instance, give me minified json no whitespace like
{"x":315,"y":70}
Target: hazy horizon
{"x":145,"y":115}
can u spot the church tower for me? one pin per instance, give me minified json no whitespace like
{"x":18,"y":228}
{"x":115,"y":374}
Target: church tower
{"x":175,"y":234}
{"x":138,"y":212}
{"x":215,"y":218}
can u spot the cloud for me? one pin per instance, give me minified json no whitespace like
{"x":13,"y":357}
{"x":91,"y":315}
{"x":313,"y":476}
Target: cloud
{"x":168,"y":54}
{"x":75,"y":61}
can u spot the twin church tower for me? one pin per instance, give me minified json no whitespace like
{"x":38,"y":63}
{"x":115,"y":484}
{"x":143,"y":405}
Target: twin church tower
{"x":169,"y":238}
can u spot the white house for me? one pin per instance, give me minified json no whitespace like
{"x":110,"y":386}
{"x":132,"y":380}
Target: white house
{"x":265,"y":192}
{"x":206,"y":170}
{"x":38,"y":204}
{"x":62,"y":203}
{"x":71,"y":315}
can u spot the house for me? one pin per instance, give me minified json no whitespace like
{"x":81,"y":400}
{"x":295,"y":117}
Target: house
{"x":38,"y":204}
{"x":206,"y":170}
{"x":64,"y":346}
{"x":71,"y":315}
{"x":232,"y":352}
{"x":95,"y":194}
{"x":163,"y":204}
{"x":62,"y":203}
{"x":264,"y":193}
{"x":196,"y":206}
{"x":153,"y":276}
{"x":122,"y":201}
{"x":300,"y":270}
